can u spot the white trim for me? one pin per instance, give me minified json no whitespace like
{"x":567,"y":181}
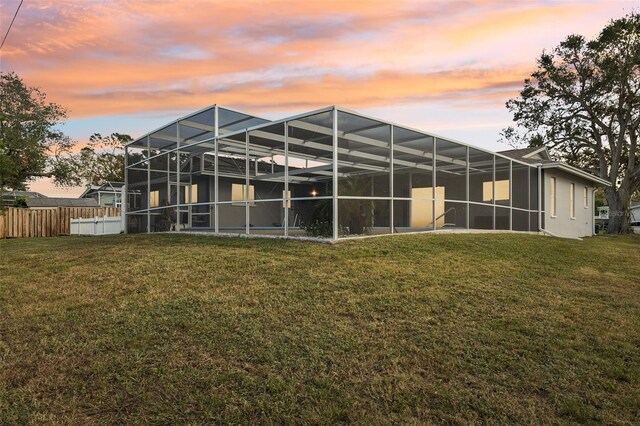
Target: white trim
{"x":553,"y":197}
{"x":576,"y":172}
{"x":572,"y":200}
{"x":537,"y":151}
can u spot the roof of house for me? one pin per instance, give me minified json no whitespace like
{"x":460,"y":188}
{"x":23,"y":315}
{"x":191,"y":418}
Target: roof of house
{"x":531,"y":155}
{"x":576,"y":172}
{"x":62,"y":202}
{"x":540,"y":156}
{"x":529,"y":152}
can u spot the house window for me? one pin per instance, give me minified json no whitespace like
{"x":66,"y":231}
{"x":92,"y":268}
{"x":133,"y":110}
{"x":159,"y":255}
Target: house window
{"x":572,"y":200}
{"x":422,"y":213}
{"x":238,"y":194}
{"x":552,"y":196}
{"x":502,"y":191}
{"x":585,"y":197}
{"x":194,"y":193}
{"x":154,"y":199}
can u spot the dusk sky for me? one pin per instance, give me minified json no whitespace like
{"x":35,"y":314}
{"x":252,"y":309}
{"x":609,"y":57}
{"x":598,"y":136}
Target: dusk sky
{"x":131,"y":66}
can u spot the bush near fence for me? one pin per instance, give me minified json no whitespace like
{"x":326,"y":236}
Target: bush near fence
{"x":46,"y":222}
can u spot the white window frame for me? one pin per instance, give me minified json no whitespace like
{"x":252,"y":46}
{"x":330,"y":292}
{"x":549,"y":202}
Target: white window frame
{"x":552,"y":197}
{"x":572,"y":200}
{"x":501,"y":191}
{"x":585,"y":197}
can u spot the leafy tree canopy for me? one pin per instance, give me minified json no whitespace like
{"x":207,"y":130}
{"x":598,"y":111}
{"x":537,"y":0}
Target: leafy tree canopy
{"x":31,"y":142}
{"x":101,"y":160}
{"x":583,"y":103}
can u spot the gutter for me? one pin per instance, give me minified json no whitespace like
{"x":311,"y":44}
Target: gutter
{"x":592,"y":215}
{"x":575,"y":171}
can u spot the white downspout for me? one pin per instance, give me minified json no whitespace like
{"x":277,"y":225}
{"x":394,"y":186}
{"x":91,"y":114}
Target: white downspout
{"x":593,"y":210}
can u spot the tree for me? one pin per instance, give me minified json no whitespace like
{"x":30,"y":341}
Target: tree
{"x":583,"y":103}
{"x":31,"y":142}
{"x":101,"y":160}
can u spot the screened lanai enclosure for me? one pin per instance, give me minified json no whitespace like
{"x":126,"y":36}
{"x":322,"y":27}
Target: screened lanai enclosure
{"x":330,"y":173}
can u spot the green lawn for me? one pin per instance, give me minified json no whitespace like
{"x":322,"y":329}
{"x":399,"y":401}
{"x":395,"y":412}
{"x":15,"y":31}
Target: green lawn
{"x":165,"y":329}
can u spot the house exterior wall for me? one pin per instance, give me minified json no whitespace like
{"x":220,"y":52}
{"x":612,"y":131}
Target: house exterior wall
{"x":107,"y":199}
{"x":261,"y":214}
{"x":562,"y":224}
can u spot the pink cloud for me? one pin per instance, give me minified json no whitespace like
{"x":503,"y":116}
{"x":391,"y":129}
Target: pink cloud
{"x":102,"y":58}
{"x":133,"y":57}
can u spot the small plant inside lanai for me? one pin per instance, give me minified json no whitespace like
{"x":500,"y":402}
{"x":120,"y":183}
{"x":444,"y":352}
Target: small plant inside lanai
{"x":355,"y":216}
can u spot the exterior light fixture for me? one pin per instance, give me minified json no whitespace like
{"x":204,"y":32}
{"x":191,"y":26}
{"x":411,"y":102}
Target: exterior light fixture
{"x":314,"y":193}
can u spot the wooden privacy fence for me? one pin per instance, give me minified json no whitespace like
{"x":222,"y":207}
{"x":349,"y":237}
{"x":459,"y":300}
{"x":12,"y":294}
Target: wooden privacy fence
{"x":46,"y":222}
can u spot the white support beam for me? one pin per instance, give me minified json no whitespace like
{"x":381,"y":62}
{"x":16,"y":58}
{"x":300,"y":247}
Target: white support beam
{"x":334,"y":143}
{"x":165,"y":138}
{"x":215,"y":171}
{"x":287,"y":178}
{"x":299,"y":142}
{"x":247,"y":187}
{"x":327,"y":148}
{"x":391,"y":175}
{"x":369,"y":141}
{"x":198,"y":126}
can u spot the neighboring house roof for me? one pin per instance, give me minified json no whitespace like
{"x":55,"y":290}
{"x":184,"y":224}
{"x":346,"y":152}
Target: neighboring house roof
{"x":9,"y":197}
{"x":62,"y":202}
{"x":89,"y":190}
{"x":540,"y":156}
{"x":105,"y":187}
{"x":28,"y":194}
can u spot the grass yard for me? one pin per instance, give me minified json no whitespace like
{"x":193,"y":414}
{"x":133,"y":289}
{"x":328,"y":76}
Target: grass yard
{"x":460,"y":329}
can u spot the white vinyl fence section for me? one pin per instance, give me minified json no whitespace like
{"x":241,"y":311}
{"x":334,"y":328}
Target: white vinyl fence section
{"x":96,"y":226}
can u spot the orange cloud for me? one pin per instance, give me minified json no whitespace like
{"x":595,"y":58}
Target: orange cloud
{"x":101,"y":58}
{"x":495,"y":24}
{"x":302,"y":93}
{"x":105,"y":58}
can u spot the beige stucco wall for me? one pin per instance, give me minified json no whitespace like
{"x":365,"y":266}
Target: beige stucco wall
{"x":562,"y":224}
